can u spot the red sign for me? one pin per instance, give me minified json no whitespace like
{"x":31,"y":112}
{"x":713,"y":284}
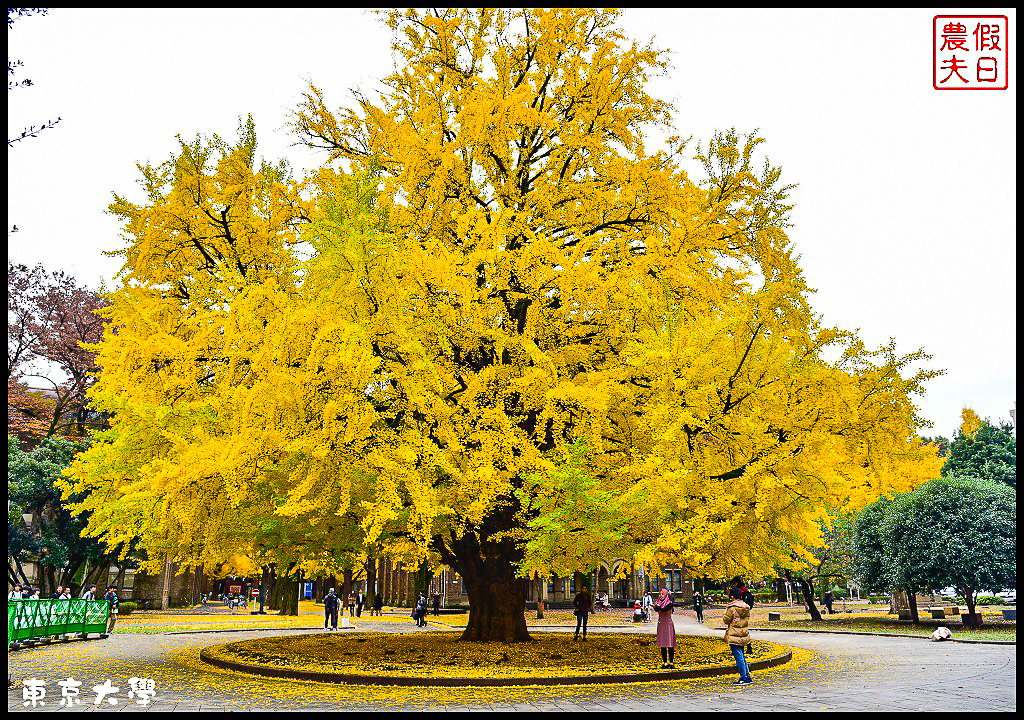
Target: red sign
{"x":970,"y":52}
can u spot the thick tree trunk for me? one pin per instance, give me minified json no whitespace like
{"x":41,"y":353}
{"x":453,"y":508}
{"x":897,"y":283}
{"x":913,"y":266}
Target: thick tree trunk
{"x":496,"y":608}
{"x":974,"y":620}
{"x":289,"y":595}
{"x":277,"y":592}
{"x":912,"y":599}
{"x":497,"y":598}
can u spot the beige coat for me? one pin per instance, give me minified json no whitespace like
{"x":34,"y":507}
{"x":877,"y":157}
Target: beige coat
{"x":736,"y":620}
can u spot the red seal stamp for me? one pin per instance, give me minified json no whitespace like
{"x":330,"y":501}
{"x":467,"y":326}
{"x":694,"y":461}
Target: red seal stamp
{"x":970,"y":52}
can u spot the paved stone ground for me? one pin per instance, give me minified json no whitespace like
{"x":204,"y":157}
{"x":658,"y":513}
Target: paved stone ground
{"x":846,"y":672}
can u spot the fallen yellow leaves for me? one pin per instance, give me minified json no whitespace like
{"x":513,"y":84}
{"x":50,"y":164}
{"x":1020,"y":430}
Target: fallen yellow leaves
{"x":444,"y":655}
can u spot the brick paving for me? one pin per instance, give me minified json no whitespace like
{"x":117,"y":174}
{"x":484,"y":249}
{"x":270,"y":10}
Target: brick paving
{"x":846,"y":672}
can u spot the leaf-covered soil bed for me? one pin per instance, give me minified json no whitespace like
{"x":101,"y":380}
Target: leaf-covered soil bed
{"x":443,"y":655}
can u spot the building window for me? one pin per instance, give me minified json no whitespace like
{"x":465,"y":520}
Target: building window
{"x":673,"y":581}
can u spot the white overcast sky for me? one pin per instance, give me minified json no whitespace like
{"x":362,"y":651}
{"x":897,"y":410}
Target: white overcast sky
{"x":905,"y":214}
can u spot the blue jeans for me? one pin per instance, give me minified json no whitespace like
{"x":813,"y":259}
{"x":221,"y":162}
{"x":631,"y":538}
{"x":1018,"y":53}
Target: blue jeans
{"x":581,"y":619}
{"x":741,"y":662}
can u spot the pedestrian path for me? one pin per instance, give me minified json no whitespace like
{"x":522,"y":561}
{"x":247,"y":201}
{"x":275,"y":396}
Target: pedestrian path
{"x":846,"y":673}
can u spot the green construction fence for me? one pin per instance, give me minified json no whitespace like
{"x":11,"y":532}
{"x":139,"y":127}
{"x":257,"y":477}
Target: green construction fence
{"x":31,"y":619}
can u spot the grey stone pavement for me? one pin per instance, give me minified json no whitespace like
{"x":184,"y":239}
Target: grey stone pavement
{"x":844,"y":672}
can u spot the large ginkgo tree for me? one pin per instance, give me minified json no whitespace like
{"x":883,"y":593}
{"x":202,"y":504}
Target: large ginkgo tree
{"x":496,"y":330}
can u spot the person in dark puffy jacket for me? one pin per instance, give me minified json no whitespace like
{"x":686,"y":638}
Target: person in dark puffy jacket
{"x":332,"y":603}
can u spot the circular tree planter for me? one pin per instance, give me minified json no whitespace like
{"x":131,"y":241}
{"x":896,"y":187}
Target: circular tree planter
{"x":613,"y":659}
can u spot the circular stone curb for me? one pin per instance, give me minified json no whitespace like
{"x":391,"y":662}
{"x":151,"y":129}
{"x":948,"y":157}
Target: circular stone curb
{"x":352,"y":679}
{"x":235,"y":630}
{"x":877,"y":634}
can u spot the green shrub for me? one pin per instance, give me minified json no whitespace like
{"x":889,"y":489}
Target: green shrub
{"x":127,"y":607}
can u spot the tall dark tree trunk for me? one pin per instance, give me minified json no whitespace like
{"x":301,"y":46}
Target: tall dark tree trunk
{"x":346,"y":586}
{"x":277,"y":591}
{"x":371,"y":578}
{"x":423,"y":579}
{"x":289,"y":595}
{"x":808,"y":593}
{"x":912,"y":601}
{"x":264,"y":589}
{"x":540,"y":597}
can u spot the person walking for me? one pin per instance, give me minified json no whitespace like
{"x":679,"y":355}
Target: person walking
{"x":15,"y":594}
{"x":420,"y":613}
{"x":647,"y":604}
{"x":666,"y":637}
{"x":827,"y":599}
{"x":378,"y":603}
{"x":90,"y":593}
{"x":332,"y":603}
{"x":111,"y":597}
{"x":584,"y":604}
{"x":360,"y":601}
{"x":698,"y":605}
{"x":351,"y":604}
{"x":437,"y":603}
{"x":737,"y":635}
{"x":65,"y":594}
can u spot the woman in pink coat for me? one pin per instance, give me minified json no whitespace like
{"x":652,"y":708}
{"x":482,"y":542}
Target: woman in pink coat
{"x":666,"y":629}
